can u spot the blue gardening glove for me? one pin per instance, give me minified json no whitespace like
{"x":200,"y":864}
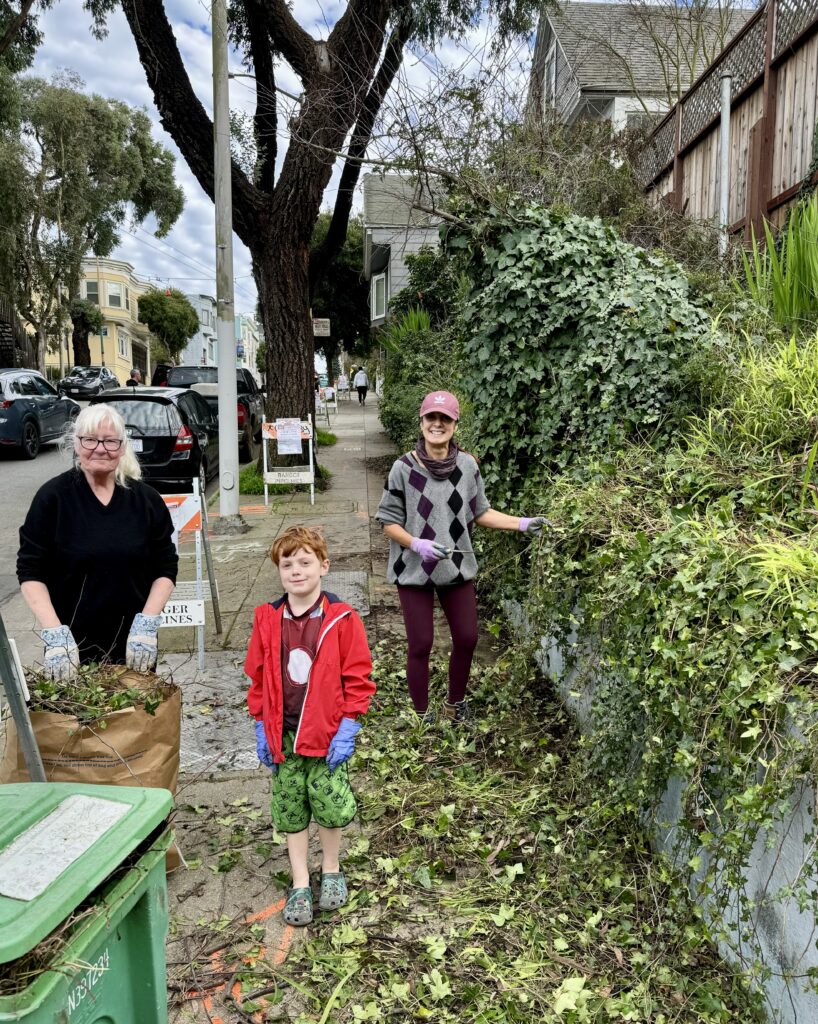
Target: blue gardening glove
{"x":342,"y":744}
{"x":429,"y":550}
{"x":534,"y":525}
{"x":263,"y":748}
{"x":61,"y":657}
{"x":141,"y":650}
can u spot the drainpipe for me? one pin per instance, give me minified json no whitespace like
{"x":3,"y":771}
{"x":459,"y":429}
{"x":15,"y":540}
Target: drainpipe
{"x":724,"y":164}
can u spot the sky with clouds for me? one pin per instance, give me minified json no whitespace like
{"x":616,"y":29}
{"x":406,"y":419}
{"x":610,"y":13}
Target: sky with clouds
{"x":184,"y":259}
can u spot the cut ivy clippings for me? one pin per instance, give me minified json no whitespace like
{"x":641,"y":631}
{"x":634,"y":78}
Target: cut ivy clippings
{"x":97,"y":690}
{"x":485,"y":885}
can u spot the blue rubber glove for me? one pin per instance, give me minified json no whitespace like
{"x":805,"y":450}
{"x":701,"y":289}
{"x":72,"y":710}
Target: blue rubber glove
{"x":61,"y":657}
{"x":263,"y":748}
{"x":141,"y":649}
{"x":429,"y":550}
{"x":342,"y":744}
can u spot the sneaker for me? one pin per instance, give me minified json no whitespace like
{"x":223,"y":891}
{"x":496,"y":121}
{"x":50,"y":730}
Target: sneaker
{"x":426,"y":717}
{"x":457,"y":712}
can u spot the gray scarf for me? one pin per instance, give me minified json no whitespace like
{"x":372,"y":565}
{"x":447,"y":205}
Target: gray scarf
{"x":440,"y":469}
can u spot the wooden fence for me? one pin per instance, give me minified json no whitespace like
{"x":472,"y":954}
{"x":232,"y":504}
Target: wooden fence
{"x":773,"y":62}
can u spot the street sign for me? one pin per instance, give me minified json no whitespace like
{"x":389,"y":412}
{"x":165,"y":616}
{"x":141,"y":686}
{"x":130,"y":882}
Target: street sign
{"x":104,"y":332}
{"x":183,"y":613}
{"x":320,"y":327}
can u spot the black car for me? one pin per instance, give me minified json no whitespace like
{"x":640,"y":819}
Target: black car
{"x":249,"y":397}
{"x":31,"y":411}
{"x":86,"y":381}
{"x":172,"y":431}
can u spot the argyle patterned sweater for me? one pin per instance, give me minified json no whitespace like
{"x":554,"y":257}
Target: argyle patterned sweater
{"x":439,"y":510}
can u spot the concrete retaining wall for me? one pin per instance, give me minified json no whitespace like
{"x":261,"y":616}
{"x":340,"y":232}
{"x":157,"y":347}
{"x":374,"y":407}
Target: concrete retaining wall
{"x":784,"y":935}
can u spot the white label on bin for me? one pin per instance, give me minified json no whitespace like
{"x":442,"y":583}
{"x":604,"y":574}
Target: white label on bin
{"x":32,"y":861}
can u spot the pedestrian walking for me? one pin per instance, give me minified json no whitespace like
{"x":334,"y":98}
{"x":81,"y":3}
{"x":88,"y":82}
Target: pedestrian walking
{"x":309,"y":667}
{"x":432,"y":499}
{"x":361,"y":382}
{"x":97,"y":562}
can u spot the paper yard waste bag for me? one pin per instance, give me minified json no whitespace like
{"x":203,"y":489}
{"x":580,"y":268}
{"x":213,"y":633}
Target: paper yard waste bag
{"x":131,"y":748}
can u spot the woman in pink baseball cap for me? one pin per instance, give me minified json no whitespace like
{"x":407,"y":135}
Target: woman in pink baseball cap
{"x":432,"y":498}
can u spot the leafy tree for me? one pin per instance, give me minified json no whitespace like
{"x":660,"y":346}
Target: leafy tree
{"x":261,"y":359}
{"x":343,"y":295}
{"x":170,"y":316}
{"x":435,"y":285}
{"x":344,"y":79}
{"x":86,"y":318}
{"x":85,"y":164}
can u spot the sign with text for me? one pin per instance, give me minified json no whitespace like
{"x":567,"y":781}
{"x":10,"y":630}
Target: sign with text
{"x":320,"y":327}
{"x":288,"y":434}
{"x":183,"y":613}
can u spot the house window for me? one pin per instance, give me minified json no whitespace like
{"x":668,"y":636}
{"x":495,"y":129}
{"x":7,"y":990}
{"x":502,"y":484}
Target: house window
{"x":127,"y":298}
{"x":92,"y":291}
{"x":639,"y":120}
{"x":124,"y":344}
{"x":550,"y":78}
{"x":115,"y":295}
{"x":204,"y":318}
{"x":378,"y":296}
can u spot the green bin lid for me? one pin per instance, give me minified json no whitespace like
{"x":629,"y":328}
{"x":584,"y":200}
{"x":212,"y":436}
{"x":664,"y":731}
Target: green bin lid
{"x":58,"y":842}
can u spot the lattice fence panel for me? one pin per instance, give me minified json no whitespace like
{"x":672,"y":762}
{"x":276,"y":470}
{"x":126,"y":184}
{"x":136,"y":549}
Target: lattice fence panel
{"x":792,"y":17}
{"x":658,"y":152}
{"x":745,"y":62}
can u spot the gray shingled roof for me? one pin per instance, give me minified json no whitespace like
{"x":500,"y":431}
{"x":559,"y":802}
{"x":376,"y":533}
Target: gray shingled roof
{"x":617,"y":47}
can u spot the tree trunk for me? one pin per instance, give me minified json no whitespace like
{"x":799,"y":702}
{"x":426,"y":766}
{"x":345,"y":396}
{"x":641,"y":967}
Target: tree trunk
{"x":42,"y":344}
{"x":79,"y":342}
{"x":281,"y":273}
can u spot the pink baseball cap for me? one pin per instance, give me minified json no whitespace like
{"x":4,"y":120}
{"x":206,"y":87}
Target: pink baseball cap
{"x":441,"y":401}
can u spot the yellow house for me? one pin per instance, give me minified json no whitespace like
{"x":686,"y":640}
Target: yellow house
{"x":124,"y":343}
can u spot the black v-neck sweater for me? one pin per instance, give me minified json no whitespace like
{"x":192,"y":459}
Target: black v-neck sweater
{"x":98,"y":561}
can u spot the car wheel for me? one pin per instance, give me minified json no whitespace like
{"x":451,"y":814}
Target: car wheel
{"x":246,"y":453}
{"x":30,"y":442}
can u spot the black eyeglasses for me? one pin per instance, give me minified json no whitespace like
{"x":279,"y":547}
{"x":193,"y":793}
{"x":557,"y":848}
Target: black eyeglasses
{"x":110,"y":444}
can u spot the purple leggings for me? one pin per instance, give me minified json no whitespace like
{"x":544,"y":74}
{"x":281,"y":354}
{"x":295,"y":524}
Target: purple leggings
{"x":459,"y":605}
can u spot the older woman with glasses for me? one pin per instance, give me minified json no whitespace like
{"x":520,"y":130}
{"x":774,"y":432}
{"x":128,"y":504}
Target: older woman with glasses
{"x":97,"y":562}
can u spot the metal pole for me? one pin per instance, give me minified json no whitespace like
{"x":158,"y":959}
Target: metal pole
{"x":99,"y":304}
{"x":13,"y":686}
{"x":724,"y":165}
{"x":229,"y":519}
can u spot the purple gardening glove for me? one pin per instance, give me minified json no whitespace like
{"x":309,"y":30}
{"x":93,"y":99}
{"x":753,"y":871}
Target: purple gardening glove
{"x":534,"y":525}
{"x":342,"y":744}
{"x":263,"y":748}
{"x":429,"y":550}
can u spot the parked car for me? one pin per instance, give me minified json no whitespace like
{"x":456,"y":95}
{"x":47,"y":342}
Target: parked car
{"x":173,"y":433}
{"x":160,"y":375}
{"x":85,"y":381}
{"x":250,"y":400}
{"x":31,"y":411}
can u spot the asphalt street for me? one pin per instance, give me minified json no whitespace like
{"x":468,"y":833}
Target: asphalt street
{"x":19,"y":480}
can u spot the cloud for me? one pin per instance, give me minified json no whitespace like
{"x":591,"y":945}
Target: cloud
{"x":110,"y":67}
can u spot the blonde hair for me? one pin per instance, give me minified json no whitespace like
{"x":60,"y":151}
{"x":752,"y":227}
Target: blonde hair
{"x":299,"y":537}
{"x":89,"y":421}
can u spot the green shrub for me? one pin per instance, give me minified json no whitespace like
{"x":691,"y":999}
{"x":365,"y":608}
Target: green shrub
{"x":325,"y":438}
{"x":575,"y":340}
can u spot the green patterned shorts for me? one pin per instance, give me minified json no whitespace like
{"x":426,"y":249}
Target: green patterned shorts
{"x":303,"y":789}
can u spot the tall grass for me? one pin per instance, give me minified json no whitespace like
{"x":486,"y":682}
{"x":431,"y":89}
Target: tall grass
{"x":784,"y":281}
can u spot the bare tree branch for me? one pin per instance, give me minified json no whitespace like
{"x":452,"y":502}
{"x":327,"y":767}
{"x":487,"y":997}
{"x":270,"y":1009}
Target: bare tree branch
{"x":295,"y":45}
{"x":180,"y":111}
{"x":336,"y":233}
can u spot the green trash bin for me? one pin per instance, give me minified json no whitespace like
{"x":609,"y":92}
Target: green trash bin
{"x":83,"y":904}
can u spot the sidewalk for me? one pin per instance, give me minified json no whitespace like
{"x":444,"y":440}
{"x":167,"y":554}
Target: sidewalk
{"x":237,"y":874}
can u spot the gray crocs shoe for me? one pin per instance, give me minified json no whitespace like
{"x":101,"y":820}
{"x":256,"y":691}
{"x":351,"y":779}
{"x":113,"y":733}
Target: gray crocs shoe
{"x":334,"y":892}
{"x":298,"y":908}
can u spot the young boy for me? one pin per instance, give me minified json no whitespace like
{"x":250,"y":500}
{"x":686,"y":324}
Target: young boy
{"x":309,"y":667}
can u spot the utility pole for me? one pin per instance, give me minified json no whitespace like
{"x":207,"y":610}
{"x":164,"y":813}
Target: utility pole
{"x":229,"y":521}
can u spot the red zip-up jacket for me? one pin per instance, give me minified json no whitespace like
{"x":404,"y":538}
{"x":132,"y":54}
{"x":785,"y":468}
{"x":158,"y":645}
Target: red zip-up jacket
{"x":339,"y":682}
